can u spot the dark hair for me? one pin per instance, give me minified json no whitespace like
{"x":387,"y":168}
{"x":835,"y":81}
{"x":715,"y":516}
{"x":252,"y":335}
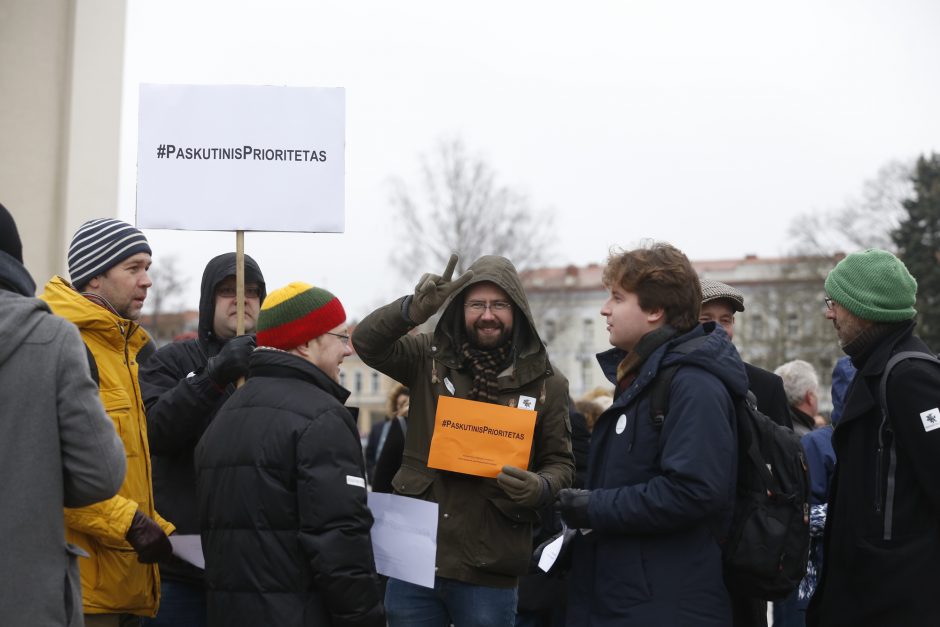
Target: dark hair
{"x":662,"y":277}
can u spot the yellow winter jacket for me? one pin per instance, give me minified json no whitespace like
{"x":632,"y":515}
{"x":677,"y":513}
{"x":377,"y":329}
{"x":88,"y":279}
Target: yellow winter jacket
{"x":112,"y":579}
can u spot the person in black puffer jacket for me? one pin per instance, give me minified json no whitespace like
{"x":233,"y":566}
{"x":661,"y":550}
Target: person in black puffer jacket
{"x":183,"y":385}
{"x":281,"y":480}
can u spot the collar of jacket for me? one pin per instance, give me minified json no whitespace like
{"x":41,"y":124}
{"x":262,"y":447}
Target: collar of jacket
{"x":88,"y":316}
{"x":271,"y":362}
{"x":15,"y":275}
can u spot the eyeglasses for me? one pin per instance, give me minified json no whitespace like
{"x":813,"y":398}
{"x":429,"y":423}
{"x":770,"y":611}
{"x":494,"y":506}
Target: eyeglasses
{"x":828,"y":302}
{"x":478,"y":306}
{"x":228,"y":291}
{"x":342,"y":338}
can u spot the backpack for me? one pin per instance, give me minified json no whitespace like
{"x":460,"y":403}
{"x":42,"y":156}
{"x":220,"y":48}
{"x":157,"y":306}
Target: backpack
{"x":766,"y":547}
{"x":885,"y":429}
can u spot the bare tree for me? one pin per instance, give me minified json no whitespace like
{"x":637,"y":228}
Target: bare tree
{"x":461,"y":207}
{"x":863,"y":222}
{"x":168,"y":285}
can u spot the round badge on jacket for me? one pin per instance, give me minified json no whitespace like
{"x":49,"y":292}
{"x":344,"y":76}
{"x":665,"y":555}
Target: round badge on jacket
{"x":621,"y":423}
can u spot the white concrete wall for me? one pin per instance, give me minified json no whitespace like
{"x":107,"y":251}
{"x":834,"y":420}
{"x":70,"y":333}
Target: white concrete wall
{"x":61,"y":74}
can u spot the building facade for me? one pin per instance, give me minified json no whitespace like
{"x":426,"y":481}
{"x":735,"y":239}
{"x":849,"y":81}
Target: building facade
{"x":784,"y":317}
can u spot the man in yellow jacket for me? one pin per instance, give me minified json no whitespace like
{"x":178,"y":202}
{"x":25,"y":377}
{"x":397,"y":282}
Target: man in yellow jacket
{"x":124,"y":536}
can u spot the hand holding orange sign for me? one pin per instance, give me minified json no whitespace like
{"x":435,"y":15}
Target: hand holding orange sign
{"x":477,"y":438}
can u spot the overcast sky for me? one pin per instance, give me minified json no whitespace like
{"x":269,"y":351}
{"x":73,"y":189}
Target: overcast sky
{"x":706,"y":124}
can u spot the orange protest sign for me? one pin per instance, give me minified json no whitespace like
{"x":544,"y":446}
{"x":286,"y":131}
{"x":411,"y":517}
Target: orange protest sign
{"x":480,"y":438}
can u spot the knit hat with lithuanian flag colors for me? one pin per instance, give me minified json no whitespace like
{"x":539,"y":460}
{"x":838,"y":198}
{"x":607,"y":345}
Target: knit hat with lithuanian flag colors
{"x":297,"y":313}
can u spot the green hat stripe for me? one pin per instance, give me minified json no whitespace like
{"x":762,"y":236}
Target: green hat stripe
{"x":293,"y":308}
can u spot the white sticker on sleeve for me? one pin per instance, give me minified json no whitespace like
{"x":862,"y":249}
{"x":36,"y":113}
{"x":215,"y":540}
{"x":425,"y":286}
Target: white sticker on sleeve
{"x":526,"y":402}
{"x":450,"y":386}
{"x":356,"y":481}
{"x":931,"y":419}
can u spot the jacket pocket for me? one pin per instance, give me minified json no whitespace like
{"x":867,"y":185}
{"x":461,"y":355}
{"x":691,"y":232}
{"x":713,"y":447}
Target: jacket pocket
{"x":117,"y":404}
{"x":414,"y":482}
{"x":620,"y":576}
{"x":73,"y":584}
{"x":123,"y":582}
{"x":504,"y":543}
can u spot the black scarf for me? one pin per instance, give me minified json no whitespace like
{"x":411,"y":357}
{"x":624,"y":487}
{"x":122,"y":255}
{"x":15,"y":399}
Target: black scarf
{"x":486,"y":366}
{"x":626,"y":371}
{"x":864,"y":344}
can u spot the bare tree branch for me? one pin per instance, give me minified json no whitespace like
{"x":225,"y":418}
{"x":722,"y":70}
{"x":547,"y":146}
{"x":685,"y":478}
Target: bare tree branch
{"x":460,"y":207}
{"x":862,"y":222}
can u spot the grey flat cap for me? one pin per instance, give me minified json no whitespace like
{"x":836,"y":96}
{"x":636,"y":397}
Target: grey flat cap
{"x":716,"y":290}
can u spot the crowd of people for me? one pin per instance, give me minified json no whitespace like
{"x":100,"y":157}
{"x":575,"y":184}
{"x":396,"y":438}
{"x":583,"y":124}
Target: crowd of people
{"x":111,"y":451}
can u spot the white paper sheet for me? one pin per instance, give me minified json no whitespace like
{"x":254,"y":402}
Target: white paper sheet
{"x":404,"y":537}
{"x":189,"y":549}
{"x":550,"y":553}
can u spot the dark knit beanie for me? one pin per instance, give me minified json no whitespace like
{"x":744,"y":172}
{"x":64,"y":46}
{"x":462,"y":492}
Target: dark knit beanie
{"x":295,"y":314}
{"x":101,"y":244}
{"x":9,"y":237}
{"x":874,"y":285}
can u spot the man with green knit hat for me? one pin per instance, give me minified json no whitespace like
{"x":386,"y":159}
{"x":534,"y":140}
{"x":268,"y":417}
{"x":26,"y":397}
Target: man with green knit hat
{"x":882,"y":544}
{"x":281,"y":480}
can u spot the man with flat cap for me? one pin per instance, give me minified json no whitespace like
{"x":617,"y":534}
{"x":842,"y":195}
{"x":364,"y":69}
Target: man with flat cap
{"x":720,"y":302}
{"x":881,"y":551}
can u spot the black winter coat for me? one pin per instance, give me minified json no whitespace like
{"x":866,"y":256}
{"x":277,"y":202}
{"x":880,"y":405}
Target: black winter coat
{"x":866,"y":579}
{"x":282,"y":503}
{"x":179,"y":407}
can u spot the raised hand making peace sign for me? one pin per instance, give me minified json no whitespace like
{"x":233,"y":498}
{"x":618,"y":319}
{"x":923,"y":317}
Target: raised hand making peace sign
{"x":432,"y":290}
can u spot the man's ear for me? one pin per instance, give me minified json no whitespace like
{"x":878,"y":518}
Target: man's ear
{"x":655,"y":315}
{"x":94,"y":283}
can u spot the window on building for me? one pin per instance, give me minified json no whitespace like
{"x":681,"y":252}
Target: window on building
{"x":793,"y":325}
{"x":375,"y":382}
{"x":588,"y":330}
{"x":342,"y":378}
{"x":358,"y":384}
{"x":756,"y":323}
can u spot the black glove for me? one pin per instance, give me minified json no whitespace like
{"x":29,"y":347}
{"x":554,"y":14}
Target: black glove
{"x":232,"y":361}
{"x":573,"y":505}
{"x":432,"y":290}
{"x":522,"y":486}
{"x":148,"y":539}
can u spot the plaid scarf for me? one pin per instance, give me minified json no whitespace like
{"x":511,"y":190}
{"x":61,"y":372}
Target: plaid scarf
{"x":485,"y":366}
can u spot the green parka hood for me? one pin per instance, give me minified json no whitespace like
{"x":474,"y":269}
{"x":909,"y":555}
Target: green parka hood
{"x":530,"y":359}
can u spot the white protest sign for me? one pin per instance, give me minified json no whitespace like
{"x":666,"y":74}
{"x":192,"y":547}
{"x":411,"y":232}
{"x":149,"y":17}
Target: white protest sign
{"x":241,"y":158}
{"x":404,"y":537}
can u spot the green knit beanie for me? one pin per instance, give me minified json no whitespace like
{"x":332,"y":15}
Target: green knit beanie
{"x":874,"y":285}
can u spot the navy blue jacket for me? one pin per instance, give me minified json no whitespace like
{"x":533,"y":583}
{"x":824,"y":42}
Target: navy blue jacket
{"x":661,"y":496}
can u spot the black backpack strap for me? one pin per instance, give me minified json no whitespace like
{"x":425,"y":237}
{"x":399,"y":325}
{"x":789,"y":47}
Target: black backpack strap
{"x":92,"y":365}
{"x":659,"y":388}
{"x":659,"y":395}
{"x":885,"y":428}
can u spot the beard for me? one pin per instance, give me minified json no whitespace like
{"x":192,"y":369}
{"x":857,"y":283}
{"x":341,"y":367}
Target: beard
{"x":479,"y":337}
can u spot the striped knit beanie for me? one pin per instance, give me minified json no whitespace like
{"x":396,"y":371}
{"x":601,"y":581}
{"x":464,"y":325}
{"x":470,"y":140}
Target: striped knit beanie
{"x":101,"y":244}
{"x":874,"y":285}
{"x":295,"y":314}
